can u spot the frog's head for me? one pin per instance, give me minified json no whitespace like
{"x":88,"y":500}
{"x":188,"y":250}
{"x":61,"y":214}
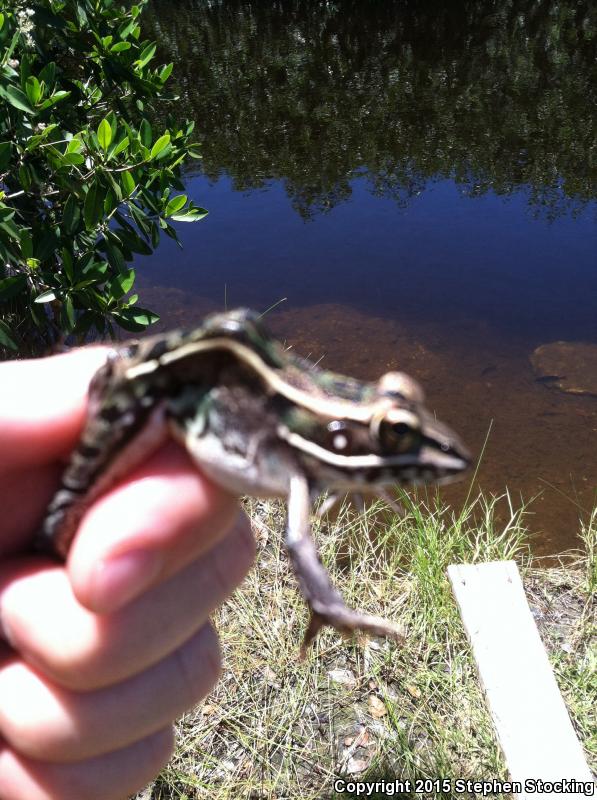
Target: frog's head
{"x":415,"y":446}
{"x":389,"y":438}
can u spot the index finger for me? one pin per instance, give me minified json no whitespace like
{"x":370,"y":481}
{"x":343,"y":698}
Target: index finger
{"x":42,"y":405}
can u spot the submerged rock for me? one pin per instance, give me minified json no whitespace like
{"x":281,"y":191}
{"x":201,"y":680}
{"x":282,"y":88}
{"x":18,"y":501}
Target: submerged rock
{"x":568,"y":366}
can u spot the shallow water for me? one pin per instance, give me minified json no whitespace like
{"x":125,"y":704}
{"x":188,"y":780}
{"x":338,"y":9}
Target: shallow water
{"x":420,"y":190}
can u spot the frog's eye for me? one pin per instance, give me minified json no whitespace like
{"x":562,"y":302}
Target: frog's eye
{"x":339,"y":437}
{"x":398,"y":437}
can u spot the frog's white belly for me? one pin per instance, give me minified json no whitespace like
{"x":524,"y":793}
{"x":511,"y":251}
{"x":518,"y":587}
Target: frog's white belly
{"x":262,"y":472}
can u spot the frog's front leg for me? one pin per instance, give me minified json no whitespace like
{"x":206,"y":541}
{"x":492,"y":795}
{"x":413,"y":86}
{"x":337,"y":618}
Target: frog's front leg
{"x":325,"y":602}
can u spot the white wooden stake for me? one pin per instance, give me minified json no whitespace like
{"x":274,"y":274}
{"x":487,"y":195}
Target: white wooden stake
{"x":531,"y":720}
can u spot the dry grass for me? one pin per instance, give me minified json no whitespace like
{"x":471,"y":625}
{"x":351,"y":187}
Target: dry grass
{"x":276,"y":727}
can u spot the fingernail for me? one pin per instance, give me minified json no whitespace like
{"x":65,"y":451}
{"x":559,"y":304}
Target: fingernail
{"x":118,"y":579}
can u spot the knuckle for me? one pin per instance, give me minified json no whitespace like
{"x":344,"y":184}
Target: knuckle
{"x":234,"y":557}
{"x":199,"y":665}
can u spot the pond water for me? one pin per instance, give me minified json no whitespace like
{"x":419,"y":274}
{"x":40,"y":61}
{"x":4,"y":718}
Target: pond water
{"x":419,"y":186}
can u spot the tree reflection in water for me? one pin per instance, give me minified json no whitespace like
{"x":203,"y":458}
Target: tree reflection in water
{"x":497,"y":96}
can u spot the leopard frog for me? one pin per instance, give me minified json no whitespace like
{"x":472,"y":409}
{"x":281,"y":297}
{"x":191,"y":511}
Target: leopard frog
{"x":257,"y":420}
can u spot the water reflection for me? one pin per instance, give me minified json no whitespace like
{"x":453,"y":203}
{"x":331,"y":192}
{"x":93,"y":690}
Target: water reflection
{"x":497,"y":96}
{"x":440,"y":161}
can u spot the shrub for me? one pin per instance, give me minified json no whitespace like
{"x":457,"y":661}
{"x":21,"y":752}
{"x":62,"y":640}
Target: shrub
{"x":86,"y":180}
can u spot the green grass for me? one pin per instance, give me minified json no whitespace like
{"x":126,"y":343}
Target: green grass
{"x":588,"y":536}
{"x":276,"y":727}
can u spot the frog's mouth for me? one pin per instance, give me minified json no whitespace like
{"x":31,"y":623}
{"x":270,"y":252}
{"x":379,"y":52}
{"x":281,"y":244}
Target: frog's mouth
{"x":428,"y":463}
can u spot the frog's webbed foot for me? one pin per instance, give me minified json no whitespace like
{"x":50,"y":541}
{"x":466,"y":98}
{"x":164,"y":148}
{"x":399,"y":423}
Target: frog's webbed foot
{"x":325,"y":602}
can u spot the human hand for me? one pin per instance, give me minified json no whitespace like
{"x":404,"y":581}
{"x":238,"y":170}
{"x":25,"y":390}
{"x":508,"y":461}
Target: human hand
{"x":97,"y":657}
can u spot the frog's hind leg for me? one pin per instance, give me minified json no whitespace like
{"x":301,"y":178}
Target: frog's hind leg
{"x":325,"y":602}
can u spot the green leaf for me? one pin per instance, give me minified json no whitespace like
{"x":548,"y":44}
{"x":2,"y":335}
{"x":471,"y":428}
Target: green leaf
{"x":174,"y":164}
{"x":150,"y":200}
{"x":25,"y":67}
{"x":160,"y":145}
{"x":1,"y":20}
{"x":175,"y":204}
{"x":34,"y":90}
{"x":11,"y":287}
{"x":26,"y":243}
{"x":96,"y":270}
{"x":115,"y":187}
{"x":53,"y":99}
{"x":75,"y":145}
{"x":128,"y":183}
{"x":166,"y":71}
{"x":121,"y":284}
{"x":16,"y":98}
{"x":111,"y":201}
{"x":5,"y":154}
{"x":85,"y":260}
{"x":72,"y":215}
{"x":145,"y":132}
{"x":88,"y":282}
{"x":171,"y":232}
{"x":5,"y":338}
{"x":46,"y":245}
{"x":25,"y":177}
{"x":141,"y":218}
{"x":114,"y":256}
{"x":146,"y":56}
{"x":72,"y":159}
{"x":104,"y":134}
{"x":115,"y":237}
{"x":96,"y":301}
{"x":93,"y":208}
{"x":117,"y":149}
{"x":68,"y":313}
{"x":135,"y":319}
{"x":155,"y":234}
{"x":48,"y":74}
{"x":34,"y":141}
{"x":124,"y":32}
{"x":120,"y":47}
{"x":7,"y":54}
{"x":81,"y":16}
{"x":132,"y":241}
{"x":192,"y":215}
{"x":11,"y":230}
{"x":46,"y":297}
{"x":67,"y":264}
